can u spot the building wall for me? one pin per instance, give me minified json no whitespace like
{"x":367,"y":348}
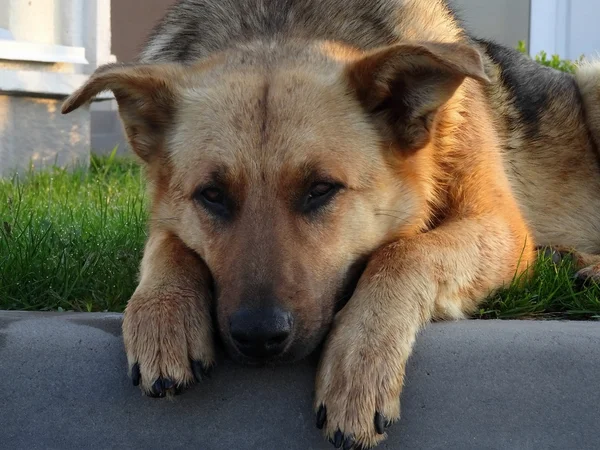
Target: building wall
{"x":566,"y":27}
{"x":33,"y":133}
{"x":132,"y":20}
{"x":47,"y":50}
{"x":504,"y":21}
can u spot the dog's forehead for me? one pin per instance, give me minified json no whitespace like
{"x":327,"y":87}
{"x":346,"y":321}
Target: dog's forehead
{"x":271,"y":121}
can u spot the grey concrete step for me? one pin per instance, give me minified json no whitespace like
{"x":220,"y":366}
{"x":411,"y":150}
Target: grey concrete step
{"x":470,"y":385}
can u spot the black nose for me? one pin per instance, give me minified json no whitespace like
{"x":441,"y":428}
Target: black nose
{"x":261,"y":333}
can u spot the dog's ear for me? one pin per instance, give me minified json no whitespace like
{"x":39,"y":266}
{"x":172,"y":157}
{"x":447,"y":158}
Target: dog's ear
{"x":407,"y":84}
{"x":146,"y":95}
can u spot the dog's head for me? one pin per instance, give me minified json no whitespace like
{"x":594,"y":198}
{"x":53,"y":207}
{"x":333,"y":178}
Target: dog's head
{"x":285,"y":173}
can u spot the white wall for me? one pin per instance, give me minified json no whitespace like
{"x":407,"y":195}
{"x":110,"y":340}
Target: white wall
{"x":568,"y":28}
{"x":49,"y":49}
{"x":53,"y":22}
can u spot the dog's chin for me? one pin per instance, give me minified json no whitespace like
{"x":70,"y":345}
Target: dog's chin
{"x":296,"y":351}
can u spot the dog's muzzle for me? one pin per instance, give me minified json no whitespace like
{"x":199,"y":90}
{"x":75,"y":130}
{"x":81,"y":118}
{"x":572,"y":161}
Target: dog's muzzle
{"x":261,"y":333}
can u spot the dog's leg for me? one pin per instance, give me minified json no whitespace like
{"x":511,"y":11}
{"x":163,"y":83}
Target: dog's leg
{"x":442,"y":274}
{"x":167,"y":324}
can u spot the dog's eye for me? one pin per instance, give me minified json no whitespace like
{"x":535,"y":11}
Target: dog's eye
{"x":212,"y":195}
{"x":214,"y":200}
{"x":320,"y":189}
{"x":319,"y":195}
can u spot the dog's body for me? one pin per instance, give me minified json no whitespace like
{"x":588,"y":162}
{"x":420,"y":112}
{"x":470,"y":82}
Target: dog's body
{"x":308,"y":155}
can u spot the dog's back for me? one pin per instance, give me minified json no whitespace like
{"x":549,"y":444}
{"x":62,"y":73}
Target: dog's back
{"x":588,"y":81}
{"x":549,"y":124}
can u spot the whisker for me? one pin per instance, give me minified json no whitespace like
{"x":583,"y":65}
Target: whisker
{"x":163,"y":219}
{"x":391,"y":215}
{"x":389,"y":210}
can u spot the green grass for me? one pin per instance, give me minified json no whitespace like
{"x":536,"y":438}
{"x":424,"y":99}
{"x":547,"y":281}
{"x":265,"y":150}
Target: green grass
{"x":554,"y":61}
{"x":73,"y":241}
{"x":550,"y":294}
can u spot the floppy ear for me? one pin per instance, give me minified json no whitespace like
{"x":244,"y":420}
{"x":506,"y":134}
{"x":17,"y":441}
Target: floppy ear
{"x":146,"y":95}
{"x":407,"y":84}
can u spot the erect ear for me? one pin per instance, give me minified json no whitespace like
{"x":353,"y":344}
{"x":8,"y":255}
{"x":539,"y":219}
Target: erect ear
{"x":146,"y":95}
{"x":407,"y":84}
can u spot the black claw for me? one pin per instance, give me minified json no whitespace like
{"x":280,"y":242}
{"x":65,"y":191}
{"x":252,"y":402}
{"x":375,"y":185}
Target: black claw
{"x":168,"y":384}
{"x":197,"y":370}
{"x":580,"y":284}
{"x":379,"y":423}
{"x":135,"y":374}
{"x":338,"y":439}
{"x":321,"y":417}
{"x":158,"y":389}
{"x":349,"y":443}
{"x":200,"y":370}
{"x":582,"y":281}
{"x":388,"y":423}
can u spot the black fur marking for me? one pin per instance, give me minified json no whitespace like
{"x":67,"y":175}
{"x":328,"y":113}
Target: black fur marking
{"x":583,"y":117}
{"x":186,"y":37}
{"x":529,"y":82}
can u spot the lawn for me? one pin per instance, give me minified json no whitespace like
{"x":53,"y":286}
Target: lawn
{"x":73,"y":241}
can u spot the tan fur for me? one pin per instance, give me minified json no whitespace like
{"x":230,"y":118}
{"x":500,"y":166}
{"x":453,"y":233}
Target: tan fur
{"x":167,"y":321}
{"x":415,"y":132}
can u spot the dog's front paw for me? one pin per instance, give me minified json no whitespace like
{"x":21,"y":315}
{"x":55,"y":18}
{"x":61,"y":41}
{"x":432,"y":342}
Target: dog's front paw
{"x":168,"y":340}
{"x":358,"y":388}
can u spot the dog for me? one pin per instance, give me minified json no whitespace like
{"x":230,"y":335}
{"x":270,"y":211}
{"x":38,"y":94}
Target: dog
{"x":340,"y":172}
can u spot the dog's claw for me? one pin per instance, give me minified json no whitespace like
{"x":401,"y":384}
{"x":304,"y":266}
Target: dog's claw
{"x":584,"y":279}
{"x":157,"y":389}
{"x":321,"y":417}
{"x":380,"y":423}
{"x":349,"y":443}
{"x":168,"y":384}
{"x":207,"y":371}
{"x":578,"y":281}
{"x":338,"y":439}
{"x":135,"y":374}
{"x":200,"y":370}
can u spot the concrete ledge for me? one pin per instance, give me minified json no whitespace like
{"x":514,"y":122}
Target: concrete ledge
{"x":470,"y":385}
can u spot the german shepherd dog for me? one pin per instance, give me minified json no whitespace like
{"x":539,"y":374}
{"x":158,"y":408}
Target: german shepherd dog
{"x":346,"y":171}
